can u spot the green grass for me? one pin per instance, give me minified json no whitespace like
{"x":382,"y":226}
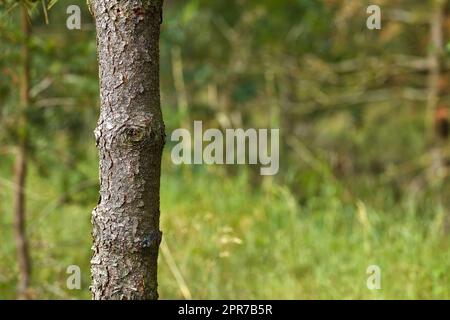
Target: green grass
{"x":234,"y":240}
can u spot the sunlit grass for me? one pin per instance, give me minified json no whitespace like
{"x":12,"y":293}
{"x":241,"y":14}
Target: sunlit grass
{"x":234,"y":240}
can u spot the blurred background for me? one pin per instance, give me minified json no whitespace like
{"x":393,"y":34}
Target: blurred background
{"x":363,"y":177}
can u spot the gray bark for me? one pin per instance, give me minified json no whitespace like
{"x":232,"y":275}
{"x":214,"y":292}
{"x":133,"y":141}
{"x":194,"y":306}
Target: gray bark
{"x":130,"y":138}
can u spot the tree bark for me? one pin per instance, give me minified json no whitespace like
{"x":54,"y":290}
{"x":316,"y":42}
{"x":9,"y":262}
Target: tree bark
{"x":20,"y":170}
{"x":130,"y":138}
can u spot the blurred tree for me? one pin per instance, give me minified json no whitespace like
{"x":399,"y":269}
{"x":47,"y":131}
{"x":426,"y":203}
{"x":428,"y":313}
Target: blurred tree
{"x":435,"y":59}
{"x":21,"y":159}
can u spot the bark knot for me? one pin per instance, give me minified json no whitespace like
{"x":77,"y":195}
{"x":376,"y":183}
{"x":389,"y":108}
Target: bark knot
{"x":135,"y":134}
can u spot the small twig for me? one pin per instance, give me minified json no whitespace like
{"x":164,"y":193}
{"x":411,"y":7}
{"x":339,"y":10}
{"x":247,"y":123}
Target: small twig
{"x":41,"y":86}
{"x":167,"y":256}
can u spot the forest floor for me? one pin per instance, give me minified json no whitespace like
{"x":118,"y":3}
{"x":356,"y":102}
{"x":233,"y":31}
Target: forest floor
{"x":228,"y":239}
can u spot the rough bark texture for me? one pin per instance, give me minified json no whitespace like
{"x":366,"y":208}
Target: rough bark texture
{"x":20,"y":170}
{"x":130,"y":138}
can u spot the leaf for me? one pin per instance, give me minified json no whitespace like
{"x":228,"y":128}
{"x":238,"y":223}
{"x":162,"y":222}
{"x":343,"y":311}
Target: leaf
{"x":189,"y":11}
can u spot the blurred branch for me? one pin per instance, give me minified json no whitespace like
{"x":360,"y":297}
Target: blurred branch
{"x":50,"y":208}
{"x":404,"y":16}
{"x":398,"y":60}
{"x":228,"y":32}
{"x":361,"y":97}
{"x":167,"y":255}
{"x":55,"y":102}
{"x":412,"y":62}
{"x":41,"y":87}
{"x":12,"y":185}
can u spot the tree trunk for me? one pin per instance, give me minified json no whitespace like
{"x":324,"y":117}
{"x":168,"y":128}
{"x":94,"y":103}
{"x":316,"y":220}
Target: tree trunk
{"x":20,"y":169}
{"x":435,"y":57}
{"x":130,"y":138}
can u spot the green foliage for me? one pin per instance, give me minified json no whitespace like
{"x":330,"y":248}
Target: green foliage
{"x":357,"y":185}
{"x":234,"y":240}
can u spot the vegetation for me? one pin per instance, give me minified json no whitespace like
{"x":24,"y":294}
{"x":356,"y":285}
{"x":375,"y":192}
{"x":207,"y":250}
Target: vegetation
{"x":364,"y":173}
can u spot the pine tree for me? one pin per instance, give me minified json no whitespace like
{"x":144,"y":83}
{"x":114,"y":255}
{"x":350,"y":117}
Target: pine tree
{"x":130,"y":138}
